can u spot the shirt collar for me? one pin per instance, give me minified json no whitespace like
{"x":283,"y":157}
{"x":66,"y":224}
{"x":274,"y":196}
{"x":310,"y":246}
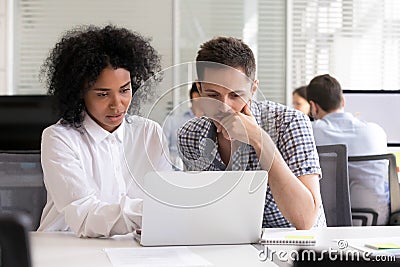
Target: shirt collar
{"x":98,"y":133}
{"x":338,"y":115}
{"x":189,"y":112}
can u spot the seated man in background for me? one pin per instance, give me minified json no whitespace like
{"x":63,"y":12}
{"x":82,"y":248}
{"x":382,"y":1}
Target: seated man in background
{"x":238,"y":133}
{"x":176,"y":120}
{"x":368,"y":184}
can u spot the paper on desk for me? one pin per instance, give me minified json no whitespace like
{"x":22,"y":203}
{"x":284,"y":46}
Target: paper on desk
{"x":376,"y":245}
{"x":154,"y":256}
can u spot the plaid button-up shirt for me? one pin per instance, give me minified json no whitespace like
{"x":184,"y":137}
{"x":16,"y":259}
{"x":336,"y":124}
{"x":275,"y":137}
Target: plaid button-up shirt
{"x":291,"y":132}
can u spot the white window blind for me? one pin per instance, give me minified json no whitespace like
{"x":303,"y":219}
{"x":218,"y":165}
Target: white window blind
{"x":39,"y":24}
{"x":357,"y":41}
{"x":202,"y":20}
{"x":198,"y":21}
{"x":272,"y":49}
{"x":261,"y":24}
{"x":3,"y":46}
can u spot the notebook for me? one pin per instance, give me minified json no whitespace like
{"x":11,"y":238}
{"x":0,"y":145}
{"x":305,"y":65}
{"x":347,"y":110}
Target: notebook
{"x":290,"y":240}
{"x":377,"y":245}
{"x":203,"y":208}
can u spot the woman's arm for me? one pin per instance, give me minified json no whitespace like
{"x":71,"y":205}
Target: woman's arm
{"x":75,"y":193}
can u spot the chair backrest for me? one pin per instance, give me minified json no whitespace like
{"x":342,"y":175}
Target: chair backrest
{"x":394,"y":186}
{"x":335,"y":184}
{"x":14,"y":242}
{"x":21,"y":185}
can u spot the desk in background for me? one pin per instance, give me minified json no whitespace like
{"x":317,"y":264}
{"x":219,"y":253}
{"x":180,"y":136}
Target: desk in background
{"x":334,"y":238}
{"x":396,"y":151}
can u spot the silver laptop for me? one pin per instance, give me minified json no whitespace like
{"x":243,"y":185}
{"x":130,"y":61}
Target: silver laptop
{"x":203,"y":208}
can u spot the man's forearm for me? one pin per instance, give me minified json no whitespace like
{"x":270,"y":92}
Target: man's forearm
{"x":295,"y":199}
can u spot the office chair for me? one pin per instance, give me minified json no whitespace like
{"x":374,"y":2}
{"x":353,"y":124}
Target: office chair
{"x":14,"y":243}
{"x":335,"y":184}
{"x":367,"y":216}
{"x":21,"y":185}
{"x":394,"y":218}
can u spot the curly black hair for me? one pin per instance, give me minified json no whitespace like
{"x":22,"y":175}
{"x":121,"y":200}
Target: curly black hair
{"x":76,"y":61}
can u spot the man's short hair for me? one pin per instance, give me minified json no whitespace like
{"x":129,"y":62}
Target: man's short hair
{"x":228,"y":51}
{"x":325,"y":91}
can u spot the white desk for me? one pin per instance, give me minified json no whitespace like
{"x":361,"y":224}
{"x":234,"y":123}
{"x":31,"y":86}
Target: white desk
{"x":325,"y":236}
{"x":65,"y":249}
{"x":328,"y":237}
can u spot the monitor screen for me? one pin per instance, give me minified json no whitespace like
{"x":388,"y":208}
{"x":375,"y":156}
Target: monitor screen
{"x":379,"y":106}
{"x":22,"y":120}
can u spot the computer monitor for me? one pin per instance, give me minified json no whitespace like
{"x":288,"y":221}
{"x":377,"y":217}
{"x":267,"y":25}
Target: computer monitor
{"x":379,"y":106}
{"x":22,"y":120}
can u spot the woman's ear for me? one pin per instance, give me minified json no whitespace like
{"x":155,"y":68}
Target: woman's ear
{"x":198,"y":85}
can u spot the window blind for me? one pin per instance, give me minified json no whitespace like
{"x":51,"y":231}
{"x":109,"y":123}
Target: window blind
{"x":199,"y":21}
{"x":272,"y":50}
{"x":39,"y":24}
{"x":357,"y":41}
{"x":3,"y":46}
{"x":202,"y":20}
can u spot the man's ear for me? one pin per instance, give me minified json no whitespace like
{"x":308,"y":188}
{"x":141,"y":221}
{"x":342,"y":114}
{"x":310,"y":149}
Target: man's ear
{"x":254,"y":87}
{"x":314,"y":109}
{"x":343,"y":101}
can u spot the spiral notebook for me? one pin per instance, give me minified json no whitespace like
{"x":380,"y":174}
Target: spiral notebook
{"x":289,"y":238}
{"x":290,"y":241}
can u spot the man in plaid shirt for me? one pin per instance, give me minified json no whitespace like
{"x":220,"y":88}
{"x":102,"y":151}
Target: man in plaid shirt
{"x":239,"y":133}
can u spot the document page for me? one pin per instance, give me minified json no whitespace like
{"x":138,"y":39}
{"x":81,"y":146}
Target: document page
{"x":154,"y":256}
{"x":377,"y":246}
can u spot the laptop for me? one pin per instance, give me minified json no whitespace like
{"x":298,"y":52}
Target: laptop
{"x":202,"y":208}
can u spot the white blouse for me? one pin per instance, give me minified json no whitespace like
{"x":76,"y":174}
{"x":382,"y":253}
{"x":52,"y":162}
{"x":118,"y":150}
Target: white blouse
{"x":92,"y":175}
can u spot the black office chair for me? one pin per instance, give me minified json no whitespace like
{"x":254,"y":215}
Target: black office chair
{"x":367,"y":216}
{"x":335,"y":184}
{"x":14,"y":242}
{"x":21,"y":185}
{"x":364,"y":214}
